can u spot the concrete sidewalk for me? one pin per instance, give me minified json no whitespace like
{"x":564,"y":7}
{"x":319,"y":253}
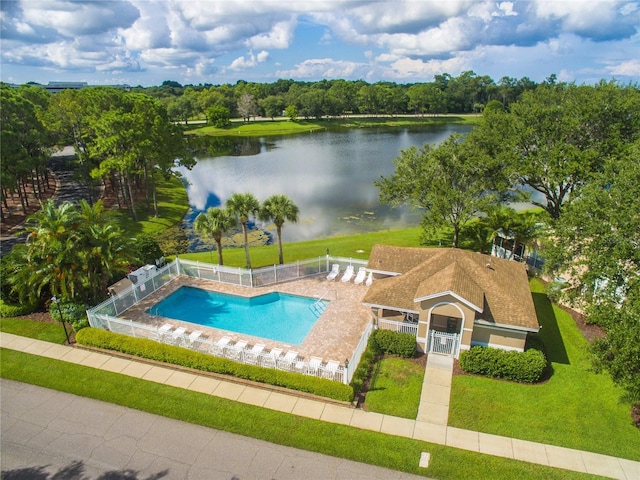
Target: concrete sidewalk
{"x":442,"y":434}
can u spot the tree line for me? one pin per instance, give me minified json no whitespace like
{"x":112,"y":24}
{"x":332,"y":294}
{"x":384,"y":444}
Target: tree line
{"x":466,"y":93}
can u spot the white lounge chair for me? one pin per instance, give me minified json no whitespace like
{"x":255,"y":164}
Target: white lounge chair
{"x":288,"y":361}
{"x":218,"y":347}
{"x":314,"y":364}
{"x":331,"y":369}
{"x":177,"y":337}
{"x":335,"y":271}
{"x":252,"y":356}
{"x":362,"y":274}
{"x":162,"y":331}
{"x":369,"y":279}
{"x":348,"y":274}
{"x":271,"y":360}
{"x":193,"y":336}
{"x":236,"y":351}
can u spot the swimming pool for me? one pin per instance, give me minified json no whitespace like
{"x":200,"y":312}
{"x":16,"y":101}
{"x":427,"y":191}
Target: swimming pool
{"x":274,"y":316}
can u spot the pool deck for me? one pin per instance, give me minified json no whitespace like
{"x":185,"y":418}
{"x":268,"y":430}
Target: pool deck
{"x":334,"y":336}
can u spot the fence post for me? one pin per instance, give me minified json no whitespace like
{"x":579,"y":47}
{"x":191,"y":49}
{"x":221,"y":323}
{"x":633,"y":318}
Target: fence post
{"x":345,"y":377}
{"x":133,"y":330}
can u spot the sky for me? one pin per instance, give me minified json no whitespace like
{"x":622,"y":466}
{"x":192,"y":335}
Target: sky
{"x":145,"y":42}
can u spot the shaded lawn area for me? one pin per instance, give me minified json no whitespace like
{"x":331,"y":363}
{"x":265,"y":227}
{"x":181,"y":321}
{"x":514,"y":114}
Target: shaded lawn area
{"x":576,"y":408}
{"x":395,"y":388}
{"x":173,"y":204}
{"x":341,"y":441}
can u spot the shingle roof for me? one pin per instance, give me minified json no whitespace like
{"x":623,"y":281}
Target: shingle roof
{"x":496,"y":287}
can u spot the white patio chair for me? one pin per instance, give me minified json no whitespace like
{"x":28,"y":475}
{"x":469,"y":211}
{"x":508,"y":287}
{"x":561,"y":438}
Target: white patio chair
{"x":314,"y":365}
{"x":271,"y":360}
{"x":177,"y":337}
{"x":193,"y":337}
{"x":348,"y":274}
{"x":217,"y":348}
{"x":335,"y":271}
{"x":252,"y":356}
{"x":235,"y":352}
{"x":331,"y":369}
{"x":162,"y":331}
{"x":369,"y":281}
{"x":362,"y":274}
{"x":288,"y":361}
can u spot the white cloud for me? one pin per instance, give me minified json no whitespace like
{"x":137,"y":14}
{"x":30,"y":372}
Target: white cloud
{"x":243,"y":63}
{"x":279,"y":36}
{"x":407,"y":68}
{"x":323,"y":68}
{"x":75,"y":18}
{"x":628,"y":68}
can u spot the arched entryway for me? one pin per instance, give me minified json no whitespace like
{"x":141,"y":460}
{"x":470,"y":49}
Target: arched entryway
{"x":446,"y":321}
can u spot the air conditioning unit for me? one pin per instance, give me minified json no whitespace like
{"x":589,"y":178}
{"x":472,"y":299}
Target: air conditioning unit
{"x":142,"y":274}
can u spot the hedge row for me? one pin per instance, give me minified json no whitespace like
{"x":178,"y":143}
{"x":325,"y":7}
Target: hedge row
{"x":395,"y":343}
{"x":152,"y":350}
{"x":523,"y":367}
{"x":8,"y":310}
{"x":366,"y":360}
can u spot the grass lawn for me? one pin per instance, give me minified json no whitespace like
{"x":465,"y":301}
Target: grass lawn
{"x":576,"y":408}
{"x":173,"y":205}
{"x":258,"y":128}
{"x":395,"y":388}
{"x":337,"y":440}
{"x":355,"y":246}
{"x":49,"y":332}
{"x":282,"y":126}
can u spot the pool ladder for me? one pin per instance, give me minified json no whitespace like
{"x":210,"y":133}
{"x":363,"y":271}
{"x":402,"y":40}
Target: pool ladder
{"x":318,"y":307}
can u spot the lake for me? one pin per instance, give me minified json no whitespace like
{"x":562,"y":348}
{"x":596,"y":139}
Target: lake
{"x":328,"y":174}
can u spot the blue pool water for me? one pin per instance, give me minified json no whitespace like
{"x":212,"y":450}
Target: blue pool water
{"x":275,"y":316}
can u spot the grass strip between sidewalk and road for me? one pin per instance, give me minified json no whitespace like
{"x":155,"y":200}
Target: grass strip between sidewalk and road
{"x":341,"y":441}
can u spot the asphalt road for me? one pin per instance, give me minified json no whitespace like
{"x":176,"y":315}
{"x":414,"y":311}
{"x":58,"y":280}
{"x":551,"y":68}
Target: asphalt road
{"x":50,"y":435}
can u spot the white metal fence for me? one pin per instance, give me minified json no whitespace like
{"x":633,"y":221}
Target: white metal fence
{"x":105,"y":314}
{"x":357,"y":353}
{"x":443,"y":342}
{"x":403,"y":327}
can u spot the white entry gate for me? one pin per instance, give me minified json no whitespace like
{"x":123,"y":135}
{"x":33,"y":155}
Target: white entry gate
{"x":443,"y":343}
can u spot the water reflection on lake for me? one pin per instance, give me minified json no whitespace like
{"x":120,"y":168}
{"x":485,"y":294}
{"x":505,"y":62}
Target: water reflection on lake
{"x":328,"y":174}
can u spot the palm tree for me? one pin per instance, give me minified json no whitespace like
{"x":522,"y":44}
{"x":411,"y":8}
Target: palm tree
{"x":525,"y":229}
{"x":50,"y":260}
{"x":279,"y":208}
{"x":243,"y":206}
{"x":70,"y":252}
{"x":214,"y":222}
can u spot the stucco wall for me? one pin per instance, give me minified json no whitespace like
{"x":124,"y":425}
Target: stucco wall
{"x":498,"y":338}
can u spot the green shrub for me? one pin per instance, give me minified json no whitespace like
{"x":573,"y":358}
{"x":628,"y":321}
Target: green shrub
{"x":73,"y":313}
{"x":366,"y":360}
{"x":160,"y":352}
{"x":12,"y":310}
{"x":523,"y":367}
{"x":395,"y":343}
{"x":147,"y":250}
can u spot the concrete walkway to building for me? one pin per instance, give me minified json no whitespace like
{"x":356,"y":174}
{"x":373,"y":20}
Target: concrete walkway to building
{"x":436,"y":390}
{"x":558,"y":457}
